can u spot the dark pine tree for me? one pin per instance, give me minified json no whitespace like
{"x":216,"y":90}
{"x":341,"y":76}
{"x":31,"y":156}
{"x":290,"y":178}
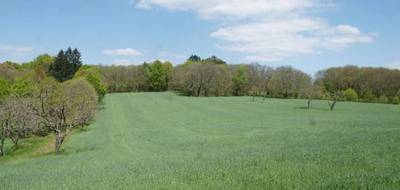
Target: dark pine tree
{"x":194,"y":58}
{"x":66,"y":64}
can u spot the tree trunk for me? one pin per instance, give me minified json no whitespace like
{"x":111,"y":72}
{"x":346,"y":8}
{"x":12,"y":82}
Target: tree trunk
{"x":15,"y":139}
{"x":59,"y":140}
{"x":308,"y":103}
{"x":331,"y":106}
{"x":2,"y":153}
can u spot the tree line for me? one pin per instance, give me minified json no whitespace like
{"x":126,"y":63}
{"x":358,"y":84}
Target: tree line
{"x":214,"y":77}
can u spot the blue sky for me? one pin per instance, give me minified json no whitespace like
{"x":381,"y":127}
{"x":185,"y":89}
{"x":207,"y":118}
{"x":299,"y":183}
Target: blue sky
{"x":307,"y":34}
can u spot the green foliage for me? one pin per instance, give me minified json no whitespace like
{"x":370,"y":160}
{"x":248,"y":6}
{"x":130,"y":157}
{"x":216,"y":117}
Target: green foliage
{"x":215,"y":60}
{"x":94,"y":77}
{"x":287,"y":82}
{"x":156,"y":76}
{"x":5,"y":88}
{"x":395,"y":100}
{"x":66,"y":65}
{"x":24,"y":86}
{"x":169,"y":71}
{"x":383,"y":99}
{"x":42,"y":63}
{"x":221,"y":143}
{"x":350,"y":95}
{"x":367,"y":96}
{"x":369,"y":83}
{"x":240,"y":81}
{"x":194,"y":59}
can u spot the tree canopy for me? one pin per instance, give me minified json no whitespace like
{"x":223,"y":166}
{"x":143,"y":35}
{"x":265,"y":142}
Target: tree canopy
{"x":66,"y":64}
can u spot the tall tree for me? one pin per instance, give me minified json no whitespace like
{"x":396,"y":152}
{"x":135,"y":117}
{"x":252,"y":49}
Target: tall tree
{"x":156,"y":76}
{"x":41,"y":64}
{"x":215,"y":60}
{"x":194,"y":58}
{"x":66,"y":64}
{"x":240,"y":81}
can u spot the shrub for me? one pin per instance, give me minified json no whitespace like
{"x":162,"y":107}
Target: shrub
{"x":368,"y":96}
{"x":395,"y":100}
{"x":383,"y":99}
{"x":350,"y":95}
{"x":94,"y":77}
{"x":4,"y":88}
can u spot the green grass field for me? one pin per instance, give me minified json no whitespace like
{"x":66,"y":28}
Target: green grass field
{"x":165,"y":141}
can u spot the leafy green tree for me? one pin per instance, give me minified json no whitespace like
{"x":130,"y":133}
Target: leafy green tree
{"x":169,"y":71}
{"x":215,"y":60}
{"x":66,"y":64}
{"x":156,"y":76}
{"x":42,"y":63}
{"x":350,"y":95}
{"x":287,"y":82}
{"x":94,"y":77}
{"x":240,"y":81}
{"x":24,"y":86}
{"x":395,"y":100}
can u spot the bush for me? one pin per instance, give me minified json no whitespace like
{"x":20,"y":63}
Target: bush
{"x":383,"y":99}
{"x":94,"y":77}
{"x":4,"y":88}
{"x":368,"y":96}
{"x":350,"y":95}
{"x":395,"y":100}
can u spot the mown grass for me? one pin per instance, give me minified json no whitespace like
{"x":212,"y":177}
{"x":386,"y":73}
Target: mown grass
{"x":164,"y":141}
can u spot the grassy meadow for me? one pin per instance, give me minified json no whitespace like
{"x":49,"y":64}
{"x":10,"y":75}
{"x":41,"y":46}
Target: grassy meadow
{"x":166,"y":141}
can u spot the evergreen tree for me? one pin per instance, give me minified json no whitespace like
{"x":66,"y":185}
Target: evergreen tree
{"x":66,"y":64}
{"x":194,"y":58}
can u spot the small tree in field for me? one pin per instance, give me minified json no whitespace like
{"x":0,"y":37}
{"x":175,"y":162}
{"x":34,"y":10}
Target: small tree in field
{"x":335,"y":97}
{"x":311,"y":93}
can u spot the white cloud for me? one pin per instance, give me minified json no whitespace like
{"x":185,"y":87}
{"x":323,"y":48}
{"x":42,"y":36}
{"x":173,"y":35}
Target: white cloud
{"x":230,"y":8}
{"x":129,"y":52}
{"x":124,"y":62}
{"x":269,"y":30}
{"x":14,"y":50}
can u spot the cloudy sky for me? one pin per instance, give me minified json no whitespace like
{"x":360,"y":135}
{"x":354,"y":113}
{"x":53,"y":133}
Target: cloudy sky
{"x":307,"y":34}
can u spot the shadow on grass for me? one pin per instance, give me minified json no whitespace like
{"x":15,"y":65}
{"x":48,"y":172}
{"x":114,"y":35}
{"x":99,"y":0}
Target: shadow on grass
{"x":311,"y":108}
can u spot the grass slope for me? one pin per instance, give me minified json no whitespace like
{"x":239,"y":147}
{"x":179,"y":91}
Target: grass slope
{"x":164,"y":141}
